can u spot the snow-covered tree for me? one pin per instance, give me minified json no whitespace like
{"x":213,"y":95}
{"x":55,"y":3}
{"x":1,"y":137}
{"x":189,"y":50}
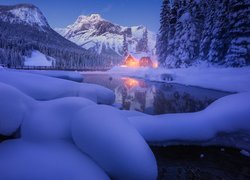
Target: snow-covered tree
{"x":125,"y":45}
{"x":213,"y":31}
{"x":142,"y":45}
{"x":162,"y":40}
{"x":238,"y":53}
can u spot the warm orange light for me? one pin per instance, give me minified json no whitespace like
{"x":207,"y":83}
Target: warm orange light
{"x":131,"y":62}
{"x":130,"y":82}
{"x":155,"y":65}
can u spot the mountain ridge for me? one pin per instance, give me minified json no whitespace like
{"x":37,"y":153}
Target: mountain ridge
{"x":100,"y":35}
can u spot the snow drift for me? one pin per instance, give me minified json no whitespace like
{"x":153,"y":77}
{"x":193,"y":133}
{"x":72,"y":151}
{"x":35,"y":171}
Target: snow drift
{"x":24,"y":160}
{"x":46,"y":88}
{"x":113,"y":143}
{"x":47,"y":129}
{"x":67,"y":75}
{"x":225,"y":122}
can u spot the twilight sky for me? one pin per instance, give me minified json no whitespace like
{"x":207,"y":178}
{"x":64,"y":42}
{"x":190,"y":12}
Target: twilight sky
{"x":61,"y":13}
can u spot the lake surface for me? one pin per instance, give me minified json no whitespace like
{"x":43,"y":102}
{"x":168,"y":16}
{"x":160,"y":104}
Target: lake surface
{"x":154,"y":97}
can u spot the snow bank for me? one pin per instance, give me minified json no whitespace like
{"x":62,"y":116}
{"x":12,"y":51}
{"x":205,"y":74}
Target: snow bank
{"x":68,"y":75}
{"x":106,"y":136}
{"x":13,"y":108}
{"x":226,"y":79}
{"x":38,"y":59}
{"x":51,"y":120}
{"x":225,"y":122}
{"x":52,"y":132}
{"x":46,"y":88}
{"x":24,"y":160}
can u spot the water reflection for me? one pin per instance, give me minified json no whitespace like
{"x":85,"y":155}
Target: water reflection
{"x":156,"y":98}
{"x":130,"y":82}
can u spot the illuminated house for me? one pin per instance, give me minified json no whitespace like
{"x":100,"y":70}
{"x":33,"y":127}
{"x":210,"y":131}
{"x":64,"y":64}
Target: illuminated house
{"x":145,"y":61}
{"x":131,"y":61}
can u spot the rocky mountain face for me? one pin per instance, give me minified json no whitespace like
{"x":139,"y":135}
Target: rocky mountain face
{"x":99,"y":35}
{"x":24,"y":29}
{"x":216,"y":32}
{"x":26,"y":14}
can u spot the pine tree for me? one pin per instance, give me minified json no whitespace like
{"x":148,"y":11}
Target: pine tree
{"x":125,"y":45}
{"x":142,"y":45}
{"x":238,"y":53}
{"x":162,"y":40}
{"x":145,"y":41}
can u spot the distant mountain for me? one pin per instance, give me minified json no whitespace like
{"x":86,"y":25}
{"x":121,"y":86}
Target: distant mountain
{"x":26,"y":14}
{"x":212,"y":31}
{"x":24,"y":29}
{"x":104,"y":37}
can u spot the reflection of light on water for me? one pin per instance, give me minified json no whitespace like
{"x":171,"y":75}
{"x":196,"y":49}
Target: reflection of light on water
{"x":130,"y":82}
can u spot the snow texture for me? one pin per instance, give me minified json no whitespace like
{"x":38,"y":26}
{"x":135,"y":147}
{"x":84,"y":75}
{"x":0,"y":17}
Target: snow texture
{"x":245,"y":153}
{"x":68,"y":75}
{"x":111,"y":133}
{"x":24,"y":160}
{"x":24,"y":13}
{"x":94,"y":32}
{"x":47,"y":129}
{"x":225,"y":122}
{"x":38,"y":59}
{"x":46,"y":88}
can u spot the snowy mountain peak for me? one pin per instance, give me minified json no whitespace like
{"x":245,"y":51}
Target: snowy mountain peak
{"x":27,"y":14}
{"x":95,"y":17}
{"x":102,"y":36}
{"x":89,"y":19}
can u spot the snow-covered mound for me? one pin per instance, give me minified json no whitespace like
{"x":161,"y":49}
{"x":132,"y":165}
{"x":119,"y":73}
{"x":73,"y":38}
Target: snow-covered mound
{"x":68,"y":75}
{"x":225,"y":122}
{"x":117,"y":138}
{"x":46,"y":88}
{"x":94,"y":32}
{"x":51,"y":136}
{"x":24,"y":160}
{"x":38,"y":59}
{"x":12,"y":114}
{"x":23,"y":14}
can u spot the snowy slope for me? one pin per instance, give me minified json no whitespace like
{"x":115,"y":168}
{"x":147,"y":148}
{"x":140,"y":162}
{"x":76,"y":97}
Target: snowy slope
{"x":94,"y":32}
{"x":23,"y":14}
{"x":38,"y":59}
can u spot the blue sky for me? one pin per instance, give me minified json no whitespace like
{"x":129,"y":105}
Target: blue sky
{"x":61,"y":13}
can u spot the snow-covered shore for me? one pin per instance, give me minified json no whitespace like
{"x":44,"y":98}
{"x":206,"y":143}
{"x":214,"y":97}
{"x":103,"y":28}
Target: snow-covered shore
{"x":225,"y":79}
